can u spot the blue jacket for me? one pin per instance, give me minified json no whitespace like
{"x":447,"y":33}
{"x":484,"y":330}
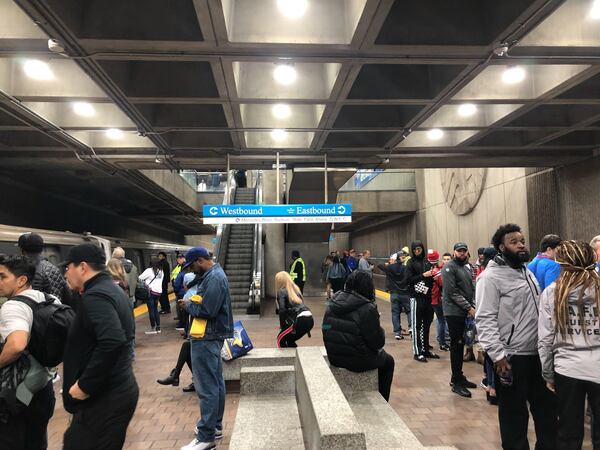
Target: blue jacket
{"x":352,"y":263}
{"x":178,"y":286}
{"x":546,"y":270}
{"x":215,"y":306}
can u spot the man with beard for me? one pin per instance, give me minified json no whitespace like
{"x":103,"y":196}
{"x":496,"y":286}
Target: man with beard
{"x":419,"y":280}
{"x":458,"y":303}
{"x":507,"y":321}
{"x":214,"y":308}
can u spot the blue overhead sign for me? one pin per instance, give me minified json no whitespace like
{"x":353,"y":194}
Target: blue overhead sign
{"x":302,"y":213}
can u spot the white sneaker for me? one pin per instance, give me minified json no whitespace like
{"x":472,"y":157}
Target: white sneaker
{"x":197,"y":445}
{"x":151,"y":332}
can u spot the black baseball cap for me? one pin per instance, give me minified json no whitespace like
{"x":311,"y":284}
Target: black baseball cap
{"x":31,"y":242}
{"x":461,"y":246}
{"x":88,"y":253}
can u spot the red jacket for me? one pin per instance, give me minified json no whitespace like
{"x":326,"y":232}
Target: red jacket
{"x":436,"y":290}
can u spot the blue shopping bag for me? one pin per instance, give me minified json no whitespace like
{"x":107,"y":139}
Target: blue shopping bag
{"x":238,"y":345}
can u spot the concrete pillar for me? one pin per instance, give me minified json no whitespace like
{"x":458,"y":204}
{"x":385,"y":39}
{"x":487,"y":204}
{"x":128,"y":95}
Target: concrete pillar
{"x":275,"y":234}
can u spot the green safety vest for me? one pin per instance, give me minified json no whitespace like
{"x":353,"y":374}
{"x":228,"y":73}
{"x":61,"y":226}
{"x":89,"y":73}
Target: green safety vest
{"x":293,"y":273}
{"x":175,"y":272}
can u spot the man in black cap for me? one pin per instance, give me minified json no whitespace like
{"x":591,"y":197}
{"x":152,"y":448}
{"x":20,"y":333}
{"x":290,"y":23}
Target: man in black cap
{"x":48,"y":278}
{"x":98,"y":377}
{"x":458,"y":302}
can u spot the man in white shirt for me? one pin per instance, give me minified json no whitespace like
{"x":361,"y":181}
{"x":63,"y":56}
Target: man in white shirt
{"x":28,"y":428}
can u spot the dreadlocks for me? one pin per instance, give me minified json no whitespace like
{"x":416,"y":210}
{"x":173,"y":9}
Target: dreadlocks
{"x":577,"y":260}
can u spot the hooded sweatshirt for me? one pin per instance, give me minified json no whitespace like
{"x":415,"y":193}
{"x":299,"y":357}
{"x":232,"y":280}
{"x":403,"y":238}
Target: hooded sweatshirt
{"x":578,"y":354}
{"x":352,"y":334}
{"x":419,"y":286}
{"x":507,"y":310}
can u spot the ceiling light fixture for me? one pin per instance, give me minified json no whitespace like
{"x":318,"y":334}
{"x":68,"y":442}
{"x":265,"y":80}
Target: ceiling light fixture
{"x":435,"y":134}
{"x":292,"y":9}
{"x":595,"y":11}
{"x":513,"y":75}
{"x":279,"y":135}
{"x":38,"y":70}
{"x":114,"y":133}
{"x":281,"y":111}
{"x":467,"y":110}
{"x":285,"y":74}
{"x":84,"y":109}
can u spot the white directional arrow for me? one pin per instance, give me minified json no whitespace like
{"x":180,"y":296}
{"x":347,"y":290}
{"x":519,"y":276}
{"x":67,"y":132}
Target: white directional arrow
{"x":213,"y":211}
{"x":341,"y":209}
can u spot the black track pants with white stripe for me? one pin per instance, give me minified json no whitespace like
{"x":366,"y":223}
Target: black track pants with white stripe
{"x":421,"y":317}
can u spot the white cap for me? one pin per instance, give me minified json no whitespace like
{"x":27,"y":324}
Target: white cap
{"x":394,"y":256}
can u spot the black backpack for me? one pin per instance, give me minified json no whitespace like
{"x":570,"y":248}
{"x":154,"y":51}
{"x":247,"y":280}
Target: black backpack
{"x":51,"y":323}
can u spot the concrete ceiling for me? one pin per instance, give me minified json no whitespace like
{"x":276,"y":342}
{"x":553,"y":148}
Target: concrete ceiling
{"x":364,"y":81}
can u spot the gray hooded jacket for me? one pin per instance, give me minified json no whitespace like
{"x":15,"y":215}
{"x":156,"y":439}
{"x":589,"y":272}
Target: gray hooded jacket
{"x":578,"y":355}
{"x":507,"y":310}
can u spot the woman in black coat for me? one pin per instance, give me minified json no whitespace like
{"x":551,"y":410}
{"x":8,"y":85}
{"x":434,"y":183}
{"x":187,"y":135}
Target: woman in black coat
{"x":295,"y":318}
{"x":352,"y":334}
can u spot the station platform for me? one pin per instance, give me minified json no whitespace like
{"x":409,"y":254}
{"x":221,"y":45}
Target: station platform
{"x":166,"y":416}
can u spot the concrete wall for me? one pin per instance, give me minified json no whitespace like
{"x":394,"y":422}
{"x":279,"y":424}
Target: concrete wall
{"x":274,"y":234}
{"x":174,"y":184}
{"x":386,"y":239}
{"x":503,"y":200}
{"x":28,"y":207}
{"x":201,"y":240}
{"x":339,"y":241}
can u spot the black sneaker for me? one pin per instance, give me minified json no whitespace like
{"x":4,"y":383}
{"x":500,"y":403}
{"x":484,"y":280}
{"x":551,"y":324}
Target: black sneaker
{"x":461,"y":390}
{"x":420,"y":358}
{"x":399,"y":337}
{"x":444,"y":348}
{"x":466,"y":383}
{"x":431,"y":355}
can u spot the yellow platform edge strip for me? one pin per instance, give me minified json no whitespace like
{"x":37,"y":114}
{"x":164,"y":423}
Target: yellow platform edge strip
{"x":143,"y":309}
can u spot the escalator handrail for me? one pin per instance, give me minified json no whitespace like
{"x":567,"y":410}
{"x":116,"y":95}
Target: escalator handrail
{"x":257,"y":287}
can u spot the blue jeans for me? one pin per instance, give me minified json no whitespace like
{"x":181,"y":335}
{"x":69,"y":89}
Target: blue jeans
{"x":443,"y":336}
{"x":400,"y":304}
{"x":207,"y":367}
{"x":152,"y":304}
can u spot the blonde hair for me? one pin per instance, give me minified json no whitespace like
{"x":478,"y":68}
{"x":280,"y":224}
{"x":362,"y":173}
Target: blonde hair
{"x":118,"y":252}
{"x":595,"y":242}
{"x":115,"y":267}
{"x":283,"y":280}
{"x":578,"y":269}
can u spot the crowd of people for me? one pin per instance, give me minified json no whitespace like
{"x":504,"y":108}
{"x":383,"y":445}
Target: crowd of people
{"x":537,"y":320}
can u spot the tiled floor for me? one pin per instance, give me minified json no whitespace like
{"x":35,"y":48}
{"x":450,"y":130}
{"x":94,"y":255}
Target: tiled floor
{"x":165,"y":416}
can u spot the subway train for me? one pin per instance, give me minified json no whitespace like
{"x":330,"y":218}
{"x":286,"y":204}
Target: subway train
{"x":58,"y":243}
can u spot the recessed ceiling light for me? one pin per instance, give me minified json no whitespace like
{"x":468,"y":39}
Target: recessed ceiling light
{"x":279,"y":135}
{"x":84,"y":109}
{"x":513,"y":75}
{"x":467,"y":110}
{"x":595,"y":11}
{"x":292,"y":9}
{"x":281,"y":111}
{"x":435,"y":134}
{"x":284,"y":74}
{"x":114,"y":133}
{"x":38,"y":70}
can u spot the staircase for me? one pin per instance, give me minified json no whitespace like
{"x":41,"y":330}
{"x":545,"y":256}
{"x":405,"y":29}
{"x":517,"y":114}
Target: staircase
{"x":238,"y":259}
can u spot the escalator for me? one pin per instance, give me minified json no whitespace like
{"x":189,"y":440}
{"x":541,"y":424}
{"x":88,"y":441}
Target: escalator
{"x":239,"y":250}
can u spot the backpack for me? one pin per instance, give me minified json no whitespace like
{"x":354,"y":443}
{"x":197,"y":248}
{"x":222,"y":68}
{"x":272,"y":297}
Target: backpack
{"x":51,"y":323}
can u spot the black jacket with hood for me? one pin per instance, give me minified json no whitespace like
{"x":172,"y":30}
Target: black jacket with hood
{"x":352,"y":334}
{"x":413,"y":277}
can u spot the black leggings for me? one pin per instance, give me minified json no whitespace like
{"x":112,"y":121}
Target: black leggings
{"x":185,"y":357}
{"x":571,"y":393}
{"x":288,"y":336}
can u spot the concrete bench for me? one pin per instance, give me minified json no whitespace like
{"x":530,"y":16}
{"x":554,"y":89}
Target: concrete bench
{"x":256,"y":358}
{"x":267,"y":417}
{"x":327,"y":419}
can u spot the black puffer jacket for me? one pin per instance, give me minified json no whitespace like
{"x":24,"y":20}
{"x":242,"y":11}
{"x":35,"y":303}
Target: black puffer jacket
{"x":49,"y":279}
{"x":353,"y":337}
{"x":419,"y":287}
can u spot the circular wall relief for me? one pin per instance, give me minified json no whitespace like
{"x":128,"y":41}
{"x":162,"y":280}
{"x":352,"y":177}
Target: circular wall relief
{"x":462,"y":188}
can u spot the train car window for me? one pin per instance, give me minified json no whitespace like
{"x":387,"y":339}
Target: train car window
{"x":9,"y":248}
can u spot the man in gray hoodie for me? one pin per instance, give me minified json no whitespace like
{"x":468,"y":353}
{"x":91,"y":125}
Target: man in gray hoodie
{"x":507,"y":297}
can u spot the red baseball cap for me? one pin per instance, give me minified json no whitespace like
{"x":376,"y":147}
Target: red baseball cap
{"x":433,"y":255}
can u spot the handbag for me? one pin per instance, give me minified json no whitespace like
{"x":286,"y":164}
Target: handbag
{"x":239,"y":345}
{"x":142,"y":291}
{"x":198,"y":328}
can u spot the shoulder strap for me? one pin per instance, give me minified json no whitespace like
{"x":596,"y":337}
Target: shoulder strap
{"x":29,"y":302}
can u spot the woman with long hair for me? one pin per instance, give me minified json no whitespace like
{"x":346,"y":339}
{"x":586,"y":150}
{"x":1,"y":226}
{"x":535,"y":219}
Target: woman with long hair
{"x":352,"y":333}
{"x":116,"y":269}
{"x":152,"y":278}
{"x":295,"y":319}
{"x":569,"y":342}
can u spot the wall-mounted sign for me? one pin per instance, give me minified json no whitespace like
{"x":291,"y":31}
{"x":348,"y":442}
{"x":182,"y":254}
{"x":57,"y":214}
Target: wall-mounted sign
{"x":305,"y":213}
